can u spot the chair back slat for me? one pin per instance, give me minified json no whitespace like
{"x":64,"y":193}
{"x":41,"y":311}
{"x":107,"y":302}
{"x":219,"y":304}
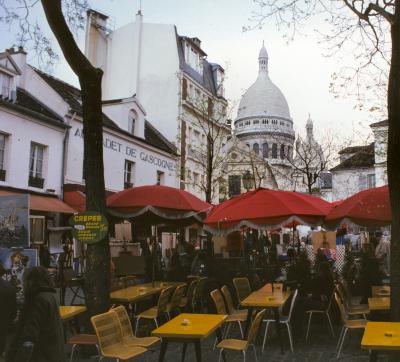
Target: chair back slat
{"x":124,"y":321}
{"x":342,"y":310}
{"x":242,"y":288}
{"x":292,"y":302}
{"x":255,"y":326}
{"x":228,"y":299}
{"x":164,"y":299}
{"x":179,"y":292}
{"x":218,"y":302}
{"x":107,"y":330}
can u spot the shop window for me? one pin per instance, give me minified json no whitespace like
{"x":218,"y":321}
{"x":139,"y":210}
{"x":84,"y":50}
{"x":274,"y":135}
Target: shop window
{"x":160,"y":178}
{"x":36,"y":230}
{"x":129,"y":174}
{"x":36,"y":165}
{"x":3,"y":140}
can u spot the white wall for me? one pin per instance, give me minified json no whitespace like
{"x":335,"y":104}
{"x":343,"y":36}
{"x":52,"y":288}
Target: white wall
{"x":22,"y":131}
{"x":157,"y":62}
{"x":117,"y":149}
{"x":345,"y":183}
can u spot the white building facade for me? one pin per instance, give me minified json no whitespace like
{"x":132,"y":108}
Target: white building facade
{"x":169,"y":75}
{"x":41,"y":136}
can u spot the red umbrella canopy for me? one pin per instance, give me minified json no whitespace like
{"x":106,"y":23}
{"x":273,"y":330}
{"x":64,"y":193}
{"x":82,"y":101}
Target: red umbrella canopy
{"x":367,"y":208}
{"x":164,"y":201}
{"x":268,"y":208}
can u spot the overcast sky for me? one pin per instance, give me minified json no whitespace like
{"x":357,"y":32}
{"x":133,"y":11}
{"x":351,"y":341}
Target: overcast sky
{"x":299,"y":68}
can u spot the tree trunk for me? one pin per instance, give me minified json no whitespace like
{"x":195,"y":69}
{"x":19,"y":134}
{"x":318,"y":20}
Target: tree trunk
{"x":209,"y":169}
{"x":97,"y":276}
{"x":393,"y":164}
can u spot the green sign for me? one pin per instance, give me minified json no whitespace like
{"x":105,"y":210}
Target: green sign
{"x":89,"y":226}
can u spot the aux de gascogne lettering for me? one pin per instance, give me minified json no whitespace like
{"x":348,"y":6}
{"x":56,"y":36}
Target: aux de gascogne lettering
{"x":130,"y":151}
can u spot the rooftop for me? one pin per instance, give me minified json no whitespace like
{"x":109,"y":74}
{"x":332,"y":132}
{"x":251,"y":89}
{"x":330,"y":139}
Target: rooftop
{"x":364,"y":157}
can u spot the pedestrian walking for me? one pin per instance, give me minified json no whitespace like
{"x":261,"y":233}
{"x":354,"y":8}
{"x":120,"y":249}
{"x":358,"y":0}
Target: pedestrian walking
{"x":40,"y":335}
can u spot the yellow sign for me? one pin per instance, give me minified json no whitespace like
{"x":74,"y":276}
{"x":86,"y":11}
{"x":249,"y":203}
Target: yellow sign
{"x":89,"y":227}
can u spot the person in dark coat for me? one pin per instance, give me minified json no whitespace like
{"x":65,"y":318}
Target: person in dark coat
{"x":8,"y":308}
{"x":40,"y":335}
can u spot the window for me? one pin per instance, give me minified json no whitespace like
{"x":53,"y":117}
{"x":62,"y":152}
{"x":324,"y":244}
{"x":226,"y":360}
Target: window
{"x":282,"y":152}
{"x":160,"y":178}
{"x":36,"y":231}
{"x":195,"y":179}
{"x":265,"y":150}
{"x":274,"y":150}
{"x":132,"y":121}
{"x":5,"y":85}
{"x":264,"y":121}
{"x":371,"y":181}
{"x":247,"y":123}
{"x":256,"y":148}
{"x":129,"y":174}
{"x":256,"y":121}
{"x":3,"y":139}
{"x":289,"y":152}
{"x":36,"y":165}
{"x":362,"y":182}
{"x":196,"y":135}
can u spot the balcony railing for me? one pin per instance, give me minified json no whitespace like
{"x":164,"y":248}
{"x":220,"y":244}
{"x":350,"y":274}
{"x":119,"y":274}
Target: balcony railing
{"x":36,"y":182}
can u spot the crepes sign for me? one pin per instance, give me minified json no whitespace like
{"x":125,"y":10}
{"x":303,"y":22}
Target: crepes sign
{"x":89,"y":227}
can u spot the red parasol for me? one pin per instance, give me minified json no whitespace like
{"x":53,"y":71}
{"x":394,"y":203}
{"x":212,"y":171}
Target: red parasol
{"x":265,"y":208}
{"x":367,"y":208}
{"x":156,"y":202}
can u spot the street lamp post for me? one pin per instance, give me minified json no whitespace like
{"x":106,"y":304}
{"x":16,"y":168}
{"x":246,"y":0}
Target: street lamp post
{"x":247,"y":180}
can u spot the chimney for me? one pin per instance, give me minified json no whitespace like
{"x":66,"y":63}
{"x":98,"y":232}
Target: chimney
{"x":19,"y":57}
{"x":96,"y":31}
{"x":197,"y":41}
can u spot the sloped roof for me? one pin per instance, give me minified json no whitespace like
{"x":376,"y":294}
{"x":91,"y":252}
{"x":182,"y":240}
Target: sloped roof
{"x":207,"y":78}
{"x":72,"y":96}
{"x":27,"y":104}
{"x":363,"y":158}
{"x":384,"y":123}
{"x":351,"y":149}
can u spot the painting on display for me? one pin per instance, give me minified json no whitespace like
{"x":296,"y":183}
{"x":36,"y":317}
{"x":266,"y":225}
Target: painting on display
{"x":16,"y":261}
{"x":14,"y":221}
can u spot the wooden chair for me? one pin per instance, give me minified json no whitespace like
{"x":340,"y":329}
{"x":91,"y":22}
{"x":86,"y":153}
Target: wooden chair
{"x":128,"y":337}
{"x":176,"y":298}
{"x":198,"y":295}
{"x":242,"y":288}
{"x":219,"y":303}
{"x":351,"y":309}
{"x":229,"y":302}
{"x":324,"y":311}
{"x":284,"y":320}
{"x":155,"y":312}
{"x":241,"y":345}
{"x":186,"y":302}
{"x":109,"y":338}
{"x":347,"y":324}
{"x":82,"y":340}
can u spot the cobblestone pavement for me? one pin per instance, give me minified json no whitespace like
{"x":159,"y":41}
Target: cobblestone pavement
{"x":320,"y":347}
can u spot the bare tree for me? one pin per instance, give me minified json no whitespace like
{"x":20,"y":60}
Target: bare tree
{"x":210,"y":125}
{"x":64,"y":18}
{"x":372,"y":30}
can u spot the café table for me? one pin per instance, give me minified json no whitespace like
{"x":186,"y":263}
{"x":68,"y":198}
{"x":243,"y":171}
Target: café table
{"x":68,"y":312}
{"x":379,"y":303}
{"x":380,"y":291}
{"x":189,"y":328}
{"x":141,"y":291}
{"x":268,"y":299}
{"x":381,"y":336}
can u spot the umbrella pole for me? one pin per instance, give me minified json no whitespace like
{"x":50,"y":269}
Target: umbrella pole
{"x":154,"y":253}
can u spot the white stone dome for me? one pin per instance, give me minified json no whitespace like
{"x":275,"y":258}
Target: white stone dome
{"x":263,"y":98}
